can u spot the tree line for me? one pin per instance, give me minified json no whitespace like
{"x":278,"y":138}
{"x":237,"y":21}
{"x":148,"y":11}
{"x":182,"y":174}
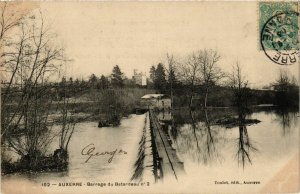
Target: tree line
{"x":199,"y":81}
{"x":76,"y":87}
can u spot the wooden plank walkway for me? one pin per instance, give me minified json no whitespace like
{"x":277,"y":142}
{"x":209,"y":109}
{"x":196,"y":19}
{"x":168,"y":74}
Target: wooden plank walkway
{"x":167,"y":163}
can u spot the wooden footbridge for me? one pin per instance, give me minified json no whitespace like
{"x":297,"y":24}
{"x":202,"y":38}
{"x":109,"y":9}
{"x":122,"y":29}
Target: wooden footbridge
{"x":165,"y":161}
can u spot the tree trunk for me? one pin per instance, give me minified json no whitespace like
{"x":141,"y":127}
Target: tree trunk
{"x":171,"y":96}
{"x":205,"y":100}
{"x":191,"y":101}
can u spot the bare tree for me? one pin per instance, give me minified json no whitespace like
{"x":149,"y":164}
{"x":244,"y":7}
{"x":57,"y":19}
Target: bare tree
{"x":9,"y":18}
{"x":236,"y":79}
{"x":284,"y":81}
{"x":287,"y":90}
{"x":171,"y":74}
{"x":29,"y":62}
{"x":201,"y":68}
{"x":209,"y":70}
{"x":239,"y":85}
{"x":68,"y":123}
{"x":189,"y":74}
{"x":30,"y":65}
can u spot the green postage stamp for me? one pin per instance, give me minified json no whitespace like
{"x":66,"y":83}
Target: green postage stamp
{"x":279,"y":29}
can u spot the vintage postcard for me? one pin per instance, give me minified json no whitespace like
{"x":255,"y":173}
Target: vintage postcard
{"x":149,"y":97}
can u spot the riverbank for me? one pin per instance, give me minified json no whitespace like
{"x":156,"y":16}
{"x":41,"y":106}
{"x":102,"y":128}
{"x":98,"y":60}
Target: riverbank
{"x":58,"y":162}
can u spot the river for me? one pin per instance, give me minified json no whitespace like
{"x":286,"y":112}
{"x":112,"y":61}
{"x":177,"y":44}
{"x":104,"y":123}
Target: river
{"x":98,"y":168}
{"x":246,"y":153}
{"x":215,"y":153}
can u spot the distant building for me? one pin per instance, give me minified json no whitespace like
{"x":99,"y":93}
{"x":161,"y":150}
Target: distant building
{"x":139,"y":78}
{"x":160,"y":101}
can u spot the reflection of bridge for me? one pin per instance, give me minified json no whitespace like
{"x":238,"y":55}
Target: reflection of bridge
{"x":166,"y":162}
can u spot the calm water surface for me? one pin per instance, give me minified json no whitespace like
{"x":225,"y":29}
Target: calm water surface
{"x":209,"y":152}
{"x":245,"y":153}
{"x":125,"y":137}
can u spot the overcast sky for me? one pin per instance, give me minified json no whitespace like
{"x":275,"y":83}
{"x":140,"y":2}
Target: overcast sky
{"x":136,"y":35}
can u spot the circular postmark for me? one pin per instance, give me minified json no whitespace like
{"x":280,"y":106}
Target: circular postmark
{"x":279,"y":38}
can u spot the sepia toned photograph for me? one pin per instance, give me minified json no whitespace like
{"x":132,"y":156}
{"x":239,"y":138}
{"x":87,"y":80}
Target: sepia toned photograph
{"x":149,"y":97}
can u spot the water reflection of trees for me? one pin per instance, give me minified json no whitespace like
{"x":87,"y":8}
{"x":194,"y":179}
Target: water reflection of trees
{"x":244,"y":145}
{"x":202,"y":142}
{"x":199,"y":141}
{"x":287,"y":119}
